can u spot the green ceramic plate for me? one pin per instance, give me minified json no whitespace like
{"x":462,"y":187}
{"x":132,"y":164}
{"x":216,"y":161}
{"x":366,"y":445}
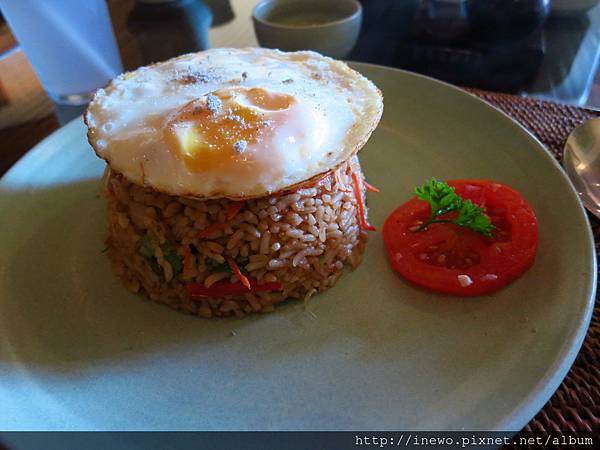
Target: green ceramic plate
{"x":77,"y":351}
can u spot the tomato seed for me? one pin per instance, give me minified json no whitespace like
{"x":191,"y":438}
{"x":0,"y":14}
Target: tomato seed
{"x":465,"y":280}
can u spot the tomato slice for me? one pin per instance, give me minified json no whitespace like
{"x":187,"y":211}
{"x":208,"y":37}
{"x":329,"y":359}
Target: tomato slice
{"x":451,"y":259}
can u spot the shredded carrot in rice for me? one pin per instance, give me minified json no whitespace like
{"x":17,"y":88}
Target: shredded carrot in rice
{"x":187,"y":260}
{"x":236,"y":271}
{"x":370,"y":187}
{"x":361,"y":207}
{"x":143,"y":172}
{"x":212,"y":228}
{"x":233,"y":210}
{"x":317,"y":181}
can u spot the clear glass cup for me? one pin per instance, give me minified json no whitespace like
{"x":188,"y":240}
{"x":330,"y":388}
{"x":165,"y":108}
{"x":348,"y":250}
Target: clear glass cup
{"x":70,"y":44}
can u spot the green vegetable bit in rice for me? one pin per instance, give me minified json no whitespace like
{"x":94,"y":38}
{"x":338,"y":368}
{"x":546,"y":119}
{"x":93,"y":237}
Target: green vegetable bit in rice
{"x":172,"y":258}
{"x":225,"y":267}
{"x":147,"y":251}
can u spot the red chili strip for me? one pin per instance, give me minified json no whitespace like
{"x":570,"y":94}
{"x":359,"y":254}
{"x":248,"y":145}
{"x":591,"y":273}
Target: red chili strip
{"x":361,"y":207}
{"x":187,"y":260}
{"x":237,"y":272}
{"x":224,"y":287}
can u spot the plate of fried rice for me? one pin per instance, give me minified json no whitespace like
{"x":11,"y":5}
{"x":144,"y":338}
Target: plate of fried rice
{"x":126,"y":304}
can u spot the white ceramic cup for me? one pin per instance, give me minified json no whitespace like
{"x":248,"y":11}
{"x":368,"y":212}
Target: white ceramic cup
{"x":330,"y":27}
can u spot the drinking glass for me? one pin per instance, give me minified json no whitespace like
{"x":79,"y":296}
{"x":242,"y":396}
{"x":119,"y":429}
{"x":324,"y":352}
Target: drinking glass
{"x":69,"y":43}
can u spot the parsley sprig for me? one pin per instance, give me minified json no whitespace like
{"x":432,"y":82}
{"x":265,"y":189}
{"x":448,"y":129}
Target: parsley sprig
{"x":444,"y":199}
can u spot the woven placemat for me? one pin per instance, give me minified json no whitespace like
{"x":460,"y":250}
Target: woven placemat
{"x":575,"y":406}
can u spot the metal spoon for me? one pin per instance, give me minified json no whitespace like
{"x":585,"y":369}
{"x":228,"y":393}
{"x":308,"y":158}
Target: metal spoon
{"x":582,"y":163}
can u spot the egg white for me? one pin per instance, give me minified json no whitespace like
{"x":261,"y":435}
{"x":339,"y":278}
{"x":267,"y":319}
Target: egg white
{"x":335,"y":112}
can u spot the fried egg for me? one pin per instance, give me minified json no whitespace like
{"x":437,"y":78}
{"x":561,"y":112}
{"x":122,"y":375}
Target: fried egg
{"x":235,"y":123}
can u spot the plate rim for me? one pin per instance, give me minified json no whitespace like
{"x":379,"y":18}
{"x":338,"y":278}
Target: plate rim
{"x":525,"y":411}
{"x":522,"y":413}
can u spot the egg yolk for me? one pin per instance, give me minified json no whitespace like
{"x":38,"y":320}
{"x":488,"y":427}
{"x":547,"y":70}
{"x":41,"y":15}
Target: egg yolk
{"x":216,"y":130}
